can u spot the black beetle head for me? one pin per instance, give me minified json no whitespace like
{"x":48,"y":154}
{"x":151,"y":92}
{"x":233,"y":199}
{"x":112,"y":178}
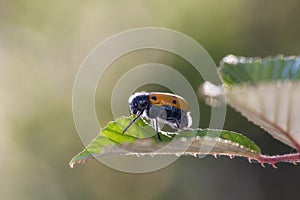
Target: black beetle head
{"x":139,"y":103}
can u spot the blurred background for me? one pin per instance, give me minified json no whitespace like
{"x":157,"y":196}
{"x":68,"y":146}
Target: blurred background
{"x":42,"y":44}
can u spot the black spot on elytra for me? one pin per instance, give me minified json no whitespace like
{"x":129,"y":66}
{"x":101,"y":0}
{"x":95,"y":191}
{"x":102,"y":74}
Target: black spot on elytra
{"x":154,"y":98}
{"x":174,"y":101}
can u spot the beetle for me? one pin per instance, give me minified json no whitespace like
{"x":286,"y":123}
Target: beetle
{"x":168,"y":108}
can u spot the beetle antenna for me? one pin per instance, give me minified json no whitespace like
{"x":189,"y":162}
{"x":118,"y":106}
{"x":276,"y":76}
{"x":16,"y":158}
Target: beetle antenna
{"x":137,"y":116}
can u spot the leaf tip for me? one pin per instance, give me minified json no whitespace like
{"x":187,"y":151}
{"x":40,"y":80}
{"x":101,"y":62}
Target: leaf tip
{"x":71,"y":164}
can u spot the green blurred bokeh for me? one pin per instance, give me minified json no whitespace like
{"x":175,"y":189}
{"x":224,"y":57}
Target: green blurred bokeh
{"x":42,"y":44}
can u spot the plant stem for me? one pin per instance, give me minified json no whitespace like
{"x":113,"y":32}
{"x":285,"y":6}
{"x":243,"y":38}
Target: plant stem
{"x":272,"y":160}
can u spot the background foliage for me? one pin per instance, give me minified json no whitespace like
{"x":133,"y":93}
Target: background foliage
{"x":42,"y":44}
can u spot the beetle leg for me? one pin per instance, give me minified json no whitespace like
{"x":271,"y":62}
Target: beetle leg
{"x":156,"y":128}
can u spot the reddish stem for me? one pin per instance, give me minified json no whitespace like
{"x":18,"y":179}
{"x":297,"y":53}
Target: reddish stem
{"x":272,"y":160}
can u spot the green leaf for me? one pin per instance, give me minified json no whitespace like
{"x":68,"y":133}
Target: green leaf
{"x":141,"y":139}
{"x":241,"y":70}
{"x":266,"y":91}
